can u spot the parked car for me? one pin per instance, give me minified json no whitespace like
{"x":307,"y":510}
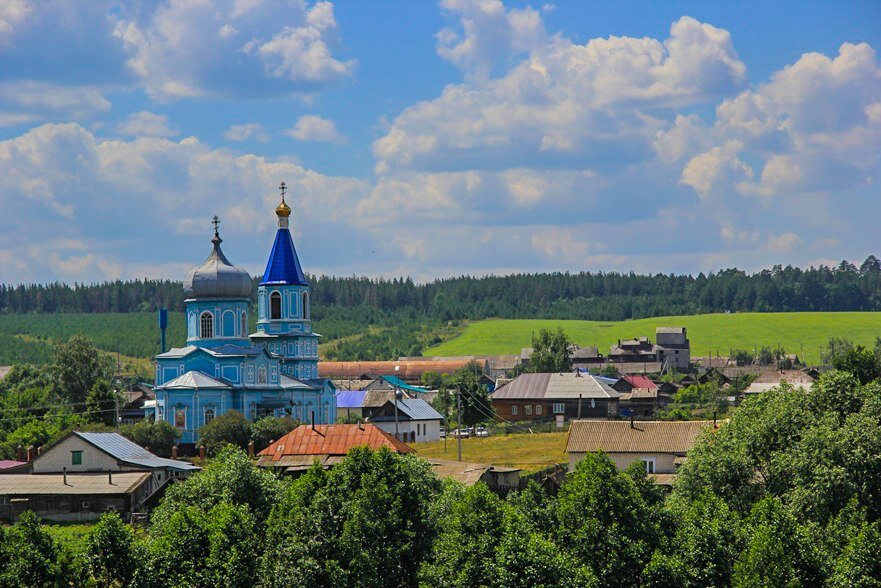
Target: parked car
{"x":481,"y":432}
{"x":463,"y":433}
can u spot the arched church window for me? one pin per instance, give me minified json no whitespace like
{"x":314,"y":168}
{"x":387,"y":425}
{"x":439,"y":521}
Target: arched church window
{"x":261,"y":375}
{"x":305,"y":305}
{"x":206,"y":325}
{"x":244,"y":327}
{"x":275,"y":305}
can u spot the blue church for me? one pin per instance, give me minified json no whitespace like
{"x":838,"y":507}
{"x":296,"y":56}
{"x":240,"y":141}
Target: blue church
{"x":273,"y":371}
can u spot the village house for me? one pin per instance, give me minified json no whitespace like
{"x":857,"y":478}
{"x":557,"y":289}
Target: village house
{"x":409,"y":419}
{"x":660,"y":445}
{"x":499,"y":479}
{"x":328,"y":445}
{"x":640,"y":396}
{"x":85,"y":475}
{"x":766,"y":381}
{"x":566,"y":396}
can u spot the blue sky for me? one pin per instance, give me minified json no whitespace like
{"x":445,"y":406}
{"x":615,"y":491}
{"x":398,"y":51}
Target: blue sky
{"x":433,"y":139}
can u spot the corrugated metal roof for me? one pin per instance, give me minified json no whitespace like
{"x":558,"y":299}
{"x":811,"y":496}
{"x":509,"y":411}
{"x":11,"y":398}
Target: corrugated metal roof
{"x":416,"y":409}
{"x":350,"y":398}
{"x":376,"y":398}
{"x":193,"y":379}
{"x":53,"y":484}
{"x":642,"y":437}
{"x":125,"y":450}
{"x":524,"y":386}
{"x":570,"y":386}
{"x":331,"y":440}
{"x":638,"y":381}
{"x":287,"y":383}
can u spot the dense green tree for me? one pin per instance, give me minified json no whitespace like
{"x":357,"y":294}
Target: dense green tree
{"x":470,"y":520}
{"x":102,"y":403}
{"x":863,"y":363}
{"x":230,"y":477}
{"x":269,"y":429}
{"x":327,"y":530}
{"x":475,"y":404}
{"x":550,"y":351}
{"x":230,"y":428}
{"x":604,"y":520}
{"x":156,"y":437}
{"x":859,"y":565}
{"x":34,"y":555}
{"x":111,"y":560}
{"x":78,"y":366}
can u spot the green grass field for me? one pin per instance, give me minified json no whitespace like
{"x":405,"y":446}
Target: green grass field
{"x":528,"y":452}
{"x":803,"y":333}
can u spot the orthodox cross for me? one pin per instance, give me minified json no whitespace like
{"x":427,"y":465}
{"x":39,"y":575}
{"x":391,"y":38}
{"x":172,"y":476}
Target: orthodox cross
{"x":216,"y":222}
{"x":283,"y":189}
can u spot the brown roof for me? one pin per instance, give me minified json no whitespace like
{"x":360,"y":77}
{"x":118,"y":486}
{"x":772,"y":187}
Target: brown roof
{"x":464,"y":472}
{"x":791,"y":376}
{"x":409,"y":371}
{"x":565,"y":386}
{"x":640,"y":437}
{"x":77,"y":484}
{"x":325,"y":440}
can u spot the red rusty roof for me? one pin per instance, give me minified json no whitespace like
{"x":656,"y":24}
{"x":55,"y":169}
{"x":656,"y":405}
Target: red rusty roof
{"x":332,"y":440}
{"x":641,"y":382}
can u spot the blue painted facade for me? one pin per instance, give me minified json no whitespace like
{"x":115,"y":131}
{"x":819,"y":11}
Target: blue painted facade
{"x":271,"y":372}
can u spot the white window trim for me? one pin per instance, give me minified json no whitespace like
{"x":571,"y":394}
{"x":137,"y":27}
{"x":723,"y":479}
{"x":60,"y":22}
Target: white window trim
{"x":513,"y":409}
{"x":650,"y":464}
{"x":559,"y":408}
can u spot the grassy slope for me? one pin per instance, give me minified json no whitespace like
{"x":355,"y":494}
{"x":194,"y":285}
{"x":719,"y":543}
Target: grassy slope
{"x":798,"y":332}
{"x":529,"y":452}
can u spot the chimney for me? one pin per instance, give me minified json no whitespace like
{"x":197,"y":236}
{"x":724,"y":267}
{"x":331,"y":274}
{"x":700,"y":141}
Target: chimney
{"x":32,"y":452}
{"x":250,"y":449}
{"x":360,"y":425}
{"x":174,"y":452}
{"x":110,"y":477}
{"x":201,"y":452}
{"x":39,"y":451}
{"x":19,"y":453}
{"x":64,"y":472}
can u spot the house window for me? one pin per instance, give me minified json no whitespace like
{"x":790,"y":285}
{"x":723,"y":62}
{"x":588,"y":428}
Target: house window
{"x":514,"y":409}
{"x":559,"y":408}
{"x":206,"y":325}
{"x":275,"y":305}
{"x":649,"y":465}
{"x":305,"y":305}
{"x":244,"y":325}
{"x":76,"y":458}
{"x":528,"y":409}
{"x":261,"y":375}
{"x":209,"y":415}
{"x":538,"y":409}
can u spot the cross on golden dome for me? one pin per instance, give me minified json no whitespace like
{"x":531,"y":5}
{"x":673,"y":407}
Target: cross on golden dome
{"x":283,"y":210}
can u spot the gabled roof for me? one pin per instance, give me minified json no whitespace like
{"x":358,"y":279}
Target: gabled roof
{"x":637,"y":437}
{"x":330,"y":440}
{"x":283,"y":267}
{"x":641,"y":382}
{"x":565,"y":386}
{"x":71,"y":484}
{"x":221,"y":351}
{"x":414,"y":409}
{"x":288,"y":383}
{"x":129,"y":452}
{"x":193,"y":380}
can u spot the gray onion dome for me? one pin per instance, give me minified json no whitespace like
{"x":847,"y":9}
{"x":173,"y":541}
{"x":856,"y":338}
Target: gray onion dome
{"x":216,"y":277}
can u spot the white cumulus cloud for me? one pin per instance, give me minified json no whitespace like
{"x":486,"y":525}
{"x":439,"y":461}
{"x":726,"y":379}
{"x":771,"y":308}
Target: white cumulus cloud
{"x":311,"y":127}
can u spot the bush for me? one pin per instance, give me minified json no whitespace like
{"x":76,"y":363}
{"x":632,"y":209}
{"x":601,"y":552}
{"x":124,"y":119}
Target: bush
{"x":158,"y":438}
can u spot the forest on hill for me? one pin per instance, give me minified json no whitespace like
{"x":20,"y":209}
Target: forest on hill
{"x":364,"y":318}
{"x":584,"y":295}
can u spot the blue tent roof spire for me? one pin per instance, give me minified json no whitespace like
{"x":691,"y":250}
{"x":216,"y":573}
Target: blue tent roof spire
{"x":283,"y":266}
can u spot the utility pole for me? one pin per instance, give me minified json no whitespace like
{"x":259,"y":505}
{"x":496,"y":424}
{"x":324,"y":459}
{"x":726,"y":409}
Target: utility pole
{"x":459,"y":421}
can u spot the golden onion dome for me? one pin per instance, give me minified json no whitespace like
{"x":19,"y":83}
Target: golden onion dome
{"x":283,"y":210}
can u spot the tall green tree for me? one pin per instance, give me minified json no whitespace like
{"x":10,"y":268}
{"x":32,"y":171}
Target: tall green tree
{"x":550,"y":351}
{"x":156,"y":437}
{"x":101,"y":403}
{"x":474,"y":398}
{"x":78,"y":367}
{"x":33,"y":553}
{"x":230,"y":428}
{"x":110,"y":553}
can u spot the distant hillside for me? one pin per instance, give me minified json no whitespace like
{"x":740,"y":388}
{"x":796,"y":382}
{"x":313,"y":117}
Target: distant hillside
{"x":803,"y":333}
{"x":586,"y":296}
